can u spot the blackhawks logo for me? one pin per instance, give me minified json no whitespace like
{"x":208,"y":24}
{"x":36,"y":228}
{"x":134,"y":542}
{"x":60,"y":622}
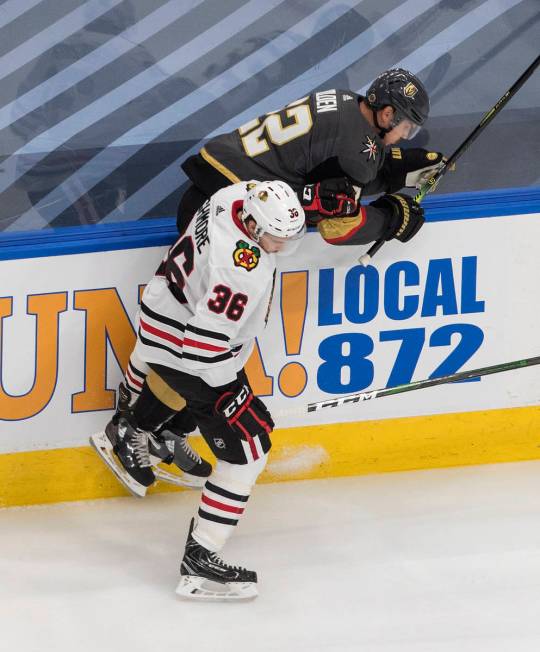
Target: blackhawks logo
{"x":246,"y":256}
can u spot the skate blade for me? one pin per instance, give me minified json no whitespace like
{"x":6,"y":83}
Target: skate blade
{"x":184,"y":480}
{"x":103,"y":447}
{"x":192,"y":587}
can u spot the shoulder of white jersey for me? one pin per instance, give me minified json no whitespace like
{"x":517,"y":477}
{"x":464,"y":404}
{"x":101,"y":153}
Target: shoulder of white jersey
{"x":222,"y":202}
{"x":230,"y":194}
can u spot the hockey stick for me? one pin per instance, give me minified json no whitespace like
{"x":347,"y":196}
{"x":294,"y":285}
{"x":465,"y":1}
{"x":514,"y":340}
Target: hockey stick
{"x":432,"y":181}
{"x":422,"y":384}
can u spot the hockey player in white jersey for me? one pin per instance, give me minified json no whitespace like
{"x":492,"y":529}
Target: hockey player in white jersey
{"x":340,"y":150}
{"x":198,"y":321}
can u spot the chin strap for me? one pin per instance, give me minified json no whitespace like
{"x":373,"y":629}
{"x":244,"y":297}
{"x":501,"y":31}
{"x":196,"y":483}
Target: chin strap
{"x":382,"y":130}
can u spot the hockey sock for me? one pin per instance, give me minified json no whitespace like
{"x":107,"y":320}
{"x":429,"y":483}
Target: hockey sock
{"x":135,"y":376}
{"x":149,"y":411}
{"x":182,"y":421}
{"x":224,"y":500}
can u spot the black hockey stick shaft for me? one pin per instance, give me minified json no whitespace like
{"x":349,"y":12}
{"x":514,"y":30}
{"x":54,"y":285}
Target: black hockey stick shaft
{"x":487,"y":118}
{"x":423,"y":384}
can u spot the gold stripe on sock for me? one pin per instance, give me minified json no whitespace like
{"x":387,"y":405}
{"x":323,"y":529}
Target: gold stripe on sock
{"x":164,"y":393}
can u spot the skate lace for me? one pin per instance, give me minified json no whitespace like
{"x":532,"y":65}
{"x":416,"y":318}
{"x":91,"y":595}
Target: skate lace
{"x":189,"y":451}
{"x":139,"y":444}
{"x":216,"y":559}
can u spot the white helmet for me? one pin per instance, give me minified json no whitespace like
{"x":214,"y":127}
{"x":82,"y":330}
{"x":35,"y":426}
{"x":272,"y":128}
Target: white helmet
{"x":276,"y":210}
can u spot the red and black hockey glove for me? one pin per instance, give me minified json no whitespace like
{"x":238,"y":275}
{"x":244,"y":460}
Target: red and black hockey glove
{"x":330,"y":198}
{"x":244,"y":412}
{"x":403,"y":216}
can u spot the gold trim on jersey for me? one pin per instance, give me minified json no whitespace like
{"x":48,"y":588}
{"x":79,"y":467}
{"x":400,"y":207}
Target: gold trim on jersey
{"x":219,"y":166}
{"x":255,"y":137}
{"x":248,"y":126}
{"x":303,"y":122}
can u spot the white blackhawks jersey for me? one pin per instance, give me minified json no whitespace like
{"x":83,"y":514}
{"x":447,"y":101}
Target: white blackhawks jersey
{"x":210,"y":296}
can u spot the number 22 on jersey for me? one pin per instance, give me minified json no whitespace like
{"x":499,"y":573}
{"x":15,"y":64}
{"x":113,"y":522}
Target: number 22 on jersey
{"x":256,"y":135}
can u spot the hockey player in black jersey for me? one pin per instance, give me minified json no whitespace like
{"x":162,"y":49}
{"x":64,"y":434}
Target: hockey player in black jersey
{"x":331,"y":147}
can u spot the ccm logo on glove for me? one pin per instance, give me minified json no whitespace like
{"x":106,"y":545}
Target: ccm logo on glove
{"x":236,"y":402}
{"x":244,"y":412}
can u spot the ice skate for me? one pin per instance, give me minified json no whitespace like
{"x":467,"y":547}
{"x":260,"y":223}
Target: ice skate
{"x":205,"y":576}
{"x":169,"y":445}
{"x":124,"y":449}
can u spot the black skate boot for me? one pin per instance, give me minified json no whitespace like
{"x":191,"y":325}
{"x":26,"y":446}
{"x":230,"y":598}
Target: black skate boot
{"x":169,"y":445}
{"x":205,"y":576}
{"x":125,"y":401}
{"x":172,"y":447}
{"x":124,"y":448}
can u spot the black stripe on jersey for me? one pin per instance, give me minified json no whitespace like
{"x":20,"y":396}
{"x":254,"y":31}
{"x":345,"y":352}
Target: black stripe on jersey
{"x":205,"y":333}
{"x":223,"y":492}
{"x":164,"y":320}
{"x":135,"y":371}
{"x":177,"y":293}
{"x":158,"y":345}
{"x":206,"y":360}
{"x":217,"y":519}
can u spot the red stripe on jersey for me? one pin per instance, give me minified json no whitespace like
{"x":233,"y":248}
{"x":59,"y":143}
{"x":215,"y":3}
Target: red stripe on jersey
{"x":157,"y":331}
{"x":346,"y":236}
{"x":203,"y":345}
{"x":133,"y":380}
{"x":223,"y":506}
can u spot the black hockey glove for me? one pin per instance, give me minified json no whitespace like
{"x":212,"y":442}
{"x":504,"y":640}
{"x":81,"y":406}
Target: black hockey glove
{"x":404,"y":217}
{"x":244,"y":412}
{"x":410,"y":167}
{"x":330,"y":198}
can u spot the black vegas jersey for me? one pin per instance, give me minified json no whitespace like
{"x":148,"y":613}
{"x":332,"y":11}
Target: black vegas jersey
{"x":319,"y":136}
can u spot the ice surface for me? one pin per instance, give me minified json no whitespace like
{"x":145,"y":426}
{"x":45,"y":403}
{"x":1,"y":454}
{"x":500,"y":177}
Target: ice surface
{"x":429,"y":561}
